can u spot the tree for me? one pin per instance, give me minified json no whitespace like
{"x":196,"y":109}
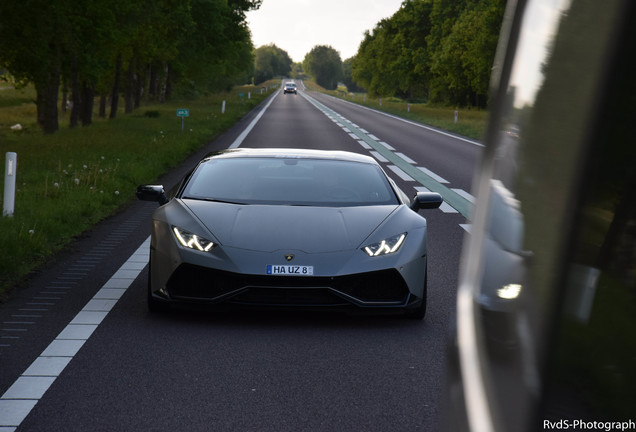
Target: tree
{"x":324,"y":64}
{"x":393,"y":59}
{"x":269,"y":62}
{"x":465,"y":35}
{"x":347,"y":76}
{"x":440,"y":50}
{"x":32,"y":36}
{"x":94,"y":46}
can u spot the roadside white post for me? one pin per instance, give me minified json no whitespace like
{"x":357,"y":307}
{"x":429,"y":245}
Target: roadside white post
{"x":456,"y":116}
{"x":223,"y":108}
{"x":11,"y":166}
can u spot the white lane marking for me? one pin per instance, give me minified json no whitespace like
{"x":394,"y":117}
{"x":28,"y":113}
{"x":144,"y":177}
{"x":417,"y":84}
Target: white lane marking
{"x":19,"y":399}
{"x":387,"y":146}
{"x":239,"y":140}
{"x":464,"y":195}
{"x":378,"y":156}
{"x":365,"y":145}
{"x":431,"y":174}
{"x":411,"y":122}
{"x":406,"y":158}
{"x":404,"y":176}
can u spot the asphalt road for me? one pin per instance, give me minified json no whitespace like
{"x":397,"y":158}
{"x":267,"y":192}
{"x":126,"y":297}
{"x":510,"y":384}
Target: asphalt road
{"x":80,"y":352}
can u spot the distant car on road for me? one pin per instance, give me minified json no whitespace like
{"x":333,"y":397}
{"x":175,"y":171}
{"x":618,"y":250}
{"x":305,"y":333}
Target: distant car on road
{"x":283,"y":228}
{"x":290,"y":87}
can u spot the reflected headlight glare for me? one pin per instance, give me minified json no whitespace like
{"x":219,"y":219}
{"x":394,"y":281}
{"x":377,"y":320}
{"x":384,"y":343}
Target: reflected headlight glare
{"x":192,"y":241}
{"x":509,"y":292}
{"x":386,"y":246}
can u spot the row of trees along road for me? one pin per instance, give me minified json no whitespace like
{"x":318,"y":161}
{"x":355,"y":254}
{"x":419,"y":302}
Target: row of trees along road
{"x":323,"y":63}
{"x":130,"y":47}
{"x":430,"y":50}
{"x":437,"y":50}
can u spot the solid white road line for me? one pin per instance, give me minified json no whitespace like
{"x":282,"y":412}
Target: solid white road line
{"x":239,"y":140}
{"x":18,"y":401}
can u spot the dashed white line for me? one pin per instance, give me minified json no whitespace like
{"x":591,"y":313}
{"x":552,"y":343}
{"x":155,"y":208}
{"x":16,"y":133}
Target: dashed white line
{"x":378,"y":156}
{"x":364,"y":144}
{"x":406,"y":158}
{"x":404,"y":176}
{"x":432,"y":175}
{"x":464,"y":195}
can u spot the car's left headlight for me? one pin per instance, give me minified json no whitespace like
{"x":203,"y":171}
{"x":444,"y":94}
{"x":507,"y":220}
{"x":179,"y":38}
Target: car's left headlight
{"x":387,"y":246}
{"x":192,"y":241}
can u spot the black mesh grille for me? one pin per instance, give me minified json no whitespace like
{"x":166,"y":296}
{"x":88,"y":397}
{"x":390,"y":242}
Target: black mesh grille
{"x":193,"y":282}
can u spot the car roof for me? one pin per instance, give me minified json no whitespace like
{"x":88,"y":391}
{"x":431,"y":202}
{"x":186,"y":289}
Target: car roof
{"x":292,"y":153}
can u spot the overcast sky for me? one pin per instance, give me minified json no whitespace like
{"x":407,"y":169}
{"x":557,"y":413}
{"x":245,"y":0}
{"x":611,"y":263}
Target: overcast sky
{"x":296,"y":26}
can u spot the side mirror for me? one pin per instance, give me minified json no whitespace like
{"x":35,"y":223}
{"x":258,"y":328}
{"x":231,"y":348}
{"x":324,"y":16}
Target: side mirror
{"x":152,"y":193}
{"x":426,"y":200}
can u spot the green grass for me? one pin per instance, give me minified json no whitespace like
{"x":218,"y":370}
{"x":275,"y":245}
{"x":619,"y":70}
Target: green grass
{"x":68,"y":181}
{"x":471,"y":123}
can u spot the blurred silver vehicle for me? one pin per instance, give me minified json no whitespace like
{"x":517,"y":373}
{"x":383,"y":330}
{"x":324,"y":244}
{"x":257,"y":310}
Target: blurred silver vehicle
{"x":290,"y":87}
{"x":545,"y":332}
{"x":289,"y":229}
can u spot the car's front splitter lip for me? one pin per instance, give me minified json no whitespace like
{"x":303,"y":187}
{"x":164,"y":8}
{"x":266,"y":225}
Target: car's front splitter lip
{"x":412,"y":303}
{"x":382,"y":288}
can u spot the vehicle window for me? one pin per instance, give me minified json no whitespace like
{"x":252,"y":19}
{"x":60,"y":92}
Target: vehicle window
{"x":290,"y":181}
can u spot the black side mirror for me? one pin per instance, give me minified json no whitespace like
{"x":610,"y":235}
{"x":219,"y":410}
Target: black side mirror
{"x":152,"y":193}
{"x":426,"y":200}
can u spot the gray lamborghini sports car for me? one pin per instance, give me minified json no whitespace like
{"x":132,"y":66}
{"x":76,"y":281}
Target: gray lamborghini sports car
{"x":289,"y":229}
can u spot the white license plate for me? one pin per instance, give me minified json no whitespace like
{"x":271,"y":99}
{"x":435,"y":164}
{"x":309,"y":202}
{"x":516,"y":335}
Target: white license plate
{"x":290,"y":270}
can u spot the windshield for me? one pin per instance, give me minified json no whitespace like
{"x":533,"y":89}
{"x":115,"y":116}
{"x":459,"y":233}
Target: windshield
{"x":290,"y":181}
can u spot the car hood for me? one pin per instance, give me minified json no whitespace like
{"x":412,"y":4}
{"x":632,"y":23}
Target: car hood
{"x":268,"y":228}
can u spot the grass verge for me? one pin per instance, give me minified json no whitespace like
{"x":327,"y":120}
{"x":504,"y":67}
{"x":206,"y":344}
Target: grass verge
{"x":68,"y":181}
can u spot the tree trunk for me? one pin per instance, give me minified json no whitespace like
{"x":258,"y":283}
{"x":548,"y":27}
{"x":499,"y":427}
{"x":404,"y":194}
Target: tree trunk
{"x":114,"y":101}
{"x":152,"y":82}
{"x":130,"y":87}
{"x":47,"y":89}
{"x":88,"y":100}
{"x":168,"y":89}
{"x":76,"y":95}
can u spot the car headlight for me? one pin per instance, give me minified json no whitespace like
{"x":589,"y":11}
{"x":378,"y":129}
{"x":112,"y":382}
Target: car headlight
{"x":386,"y":246}
{"x":192,"y":241}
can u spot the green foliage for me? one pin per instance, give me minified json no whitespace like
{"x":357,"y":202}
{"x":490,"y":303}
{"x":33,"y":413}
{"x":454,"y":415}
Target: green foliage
{"x":269,"y":62}
{"x":324,"y":64}
{"x":123,"y":46}
{"x":440,"y":50}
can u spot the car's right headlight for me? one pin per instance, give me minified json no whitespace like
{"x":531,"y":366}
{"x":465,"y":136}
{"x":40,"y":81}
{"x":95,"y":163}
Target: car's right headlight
{"x":387,"y":246}
{"x":192,"y":241}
